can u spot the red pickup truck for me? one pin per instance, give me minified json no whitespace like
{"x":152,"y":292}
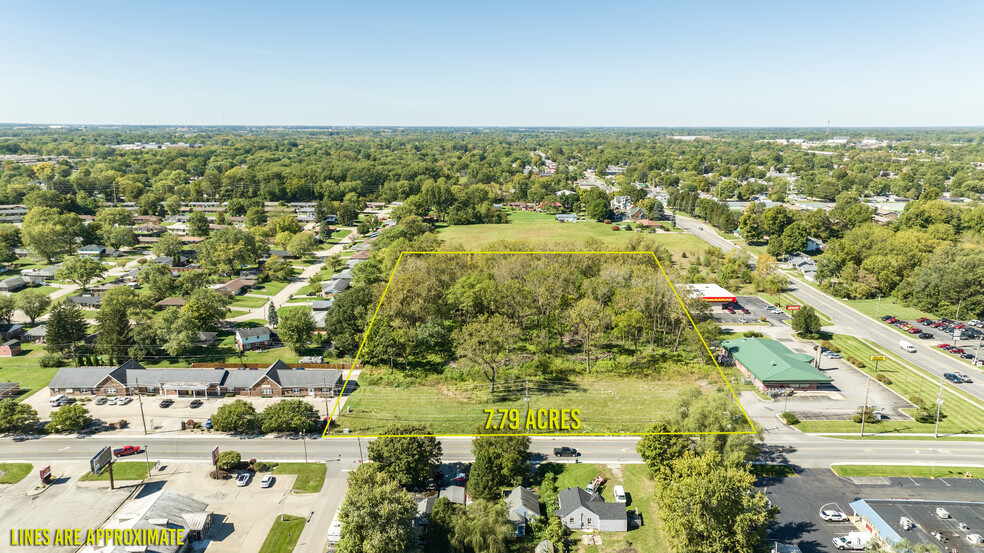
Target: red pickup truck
{"x":127,"y":450}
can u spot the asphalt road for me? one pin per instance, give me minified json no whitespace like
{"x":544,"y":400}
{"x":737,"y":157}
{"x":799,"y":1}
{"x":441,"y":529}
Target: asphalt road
{"x":849,"y":321}
{"x":797,"y":449}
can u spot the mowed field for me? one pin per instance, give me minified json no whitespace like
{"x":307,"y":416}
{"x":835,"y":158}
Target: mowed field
{"x":543,"y":227}
{"x":609,"y":405}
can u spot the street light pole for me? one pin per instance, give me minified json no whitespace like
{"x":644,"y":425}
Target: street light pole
{"x":864,"y":411}
{"x":140,"y":401}
{"x":878,"y":306}
{"x":939,"y":406}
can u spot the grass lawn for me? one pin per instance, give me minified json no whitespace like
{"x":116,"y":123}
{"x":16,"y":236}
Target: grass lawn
{"x":888,"y":307}
{"x":303,"y":299}
{"x":248,"y":302}
{"x":283,"y":535}
{"x":607,"y":403}
{"x":45,"y":289}
{"x":12,"y":473}
{"x":640,"y":491}
{"x":961,"y":416}
{"x":127,"y":470}
{"x":281,"y":311}
{"x":270,"y":288}
{"x":905,"y":470}
{"x":23,"y":368}
{"x":235,"y":313}
{"x":543,"y":227}
{"x":310,"y":476}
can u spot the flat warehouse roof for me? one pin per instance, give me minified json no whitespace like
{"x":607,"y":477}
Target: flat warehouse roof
{"x":710,"y":292}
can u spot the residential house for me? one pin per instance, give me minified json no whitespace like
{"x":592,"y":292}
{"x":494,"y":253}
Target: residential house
{"x":455,"y":494}
{"x":44,"y":273}
{"x":352,"y":262}
{"x":97,"y":251}
{"x":637,"y":213}
{"x":35,"y":335}
{"x":814,"y":244}
{"x":86,"y":301}
{"x":282,"y":254}
{"x":10,"y":331}
{"x":10,"y":348}
{"x":9,"y":389}
{"x":621,"y":202}
{"x":522,"y":505}
{"x":235,"y":287}
{"x":564,"y":193}
{"x":12,"y":213}
{"x":335,"y":286}
{"x":319,"y":318}
{"x":169,"y":302}
{"x":567,"y":217}
{"x":253,"y":338}
{"x":321,"y":305}
{"x":580,"y":510}
{"x":15,"y":283}
{"x":206,"y":338}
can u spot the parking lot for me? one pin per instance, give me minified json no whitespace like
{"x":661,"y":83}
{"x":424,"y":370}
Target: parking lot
{"x":801,"y":498}
{"x":968,"y":338}
{"x":160,"y":419}
{"x":757,"y":308}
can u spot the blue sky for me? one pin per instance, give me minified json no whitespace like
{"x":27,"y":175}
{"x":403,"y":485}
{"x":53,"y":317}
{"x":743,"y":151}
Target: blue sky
{"x":494,"y":63}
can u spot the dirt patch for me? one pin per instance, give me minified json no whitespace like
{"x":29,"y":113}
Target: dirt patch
{"x":617,"y":472}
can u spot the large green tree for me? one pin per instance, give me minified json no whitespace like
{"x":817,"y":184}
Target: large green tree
{"x":407,"y":454}
{"x":168,"y":245}
{"x":486,"y":344}
{"x":806,"y":322}
{"x":81,"y":271}
{"x":207,"y":307}
{"x":229,"y":250}
{"x":500,"y":461}
{"x":296,"y":328}
{"x":8,"y":304}
{"x":376,"y":515}
{"x":710,"y":507}
{"x":70,"y":418}
{"x":198,"y":224}
{"x":483,"y":527}
{"x":65,"y":327}
{"x":33,"y":303}
{"x":16,"y":416}
{"x":289,"y":415}
{"x":239,"y":417}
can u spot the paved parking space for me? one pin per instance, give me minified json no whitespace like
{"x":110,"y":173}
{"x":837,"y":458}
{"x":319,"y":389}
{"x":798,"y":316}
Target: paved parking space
{"x":757,"y":308}
{"x":818,"y":416}
{"x":801,"y":498}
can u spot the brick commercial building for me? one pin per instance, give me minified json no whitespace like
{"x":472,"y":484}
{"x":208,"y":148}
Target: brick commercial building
{"x":772,"y":365}
{"x":277,"y":380}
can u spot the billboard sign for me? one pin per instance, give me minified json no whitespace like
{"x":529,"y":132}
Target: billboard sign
{"x":100,"y":460}
{"x":45,"y":472}
{"x":215,"y":456}
{"x":793,"y":307}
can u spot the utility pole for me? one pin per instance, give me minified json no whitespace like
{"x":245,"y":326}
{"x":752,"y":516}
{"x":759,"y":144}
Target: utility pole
{"x":864,"y":411}
{"x":140,"y":401}
{"x":304,"y":441}
{"x":939,"y":407}
{"x":147,"y":456}
{"x":878,"y":306}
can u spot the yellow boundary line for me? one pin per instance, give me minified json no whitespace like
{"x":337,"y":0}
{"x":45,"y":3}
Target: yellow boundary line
{"x":365,"y":337}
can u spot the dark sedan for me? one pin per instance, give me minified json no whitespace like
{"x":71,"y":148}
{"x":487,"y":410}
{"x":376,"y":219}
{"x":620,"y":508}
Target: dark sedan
{"x":166,"y":403}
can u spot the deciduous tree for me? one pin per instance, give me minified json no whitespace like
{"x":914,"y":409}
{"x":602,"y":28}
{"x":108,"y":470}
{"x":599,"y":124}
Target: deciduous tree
{"x":33,"y":303}
{"x":410,"y":458}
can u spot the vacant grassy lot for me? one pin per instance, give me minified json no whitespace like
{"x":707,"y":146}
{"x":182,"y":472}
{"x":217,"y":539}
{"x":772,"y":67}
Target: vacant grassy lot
{"x":283,"y":535}
{"x":640,"y":491}
{"x":12,"y":473}
{"x":270,"y":288}
{"x":281,"y":311}
{"x":127,"y":470}
{"x":310,"y":476}
{"x":542,"y":227}
{"x":888,"y":307}
{"x":607,"y":404}
{"x":903,"y":471}
{"x":961,"y":416}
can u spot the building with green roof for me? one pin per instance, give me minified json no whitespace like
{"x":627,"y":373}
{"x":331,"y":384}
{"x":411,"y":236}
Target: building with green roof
{"x":772,"y":365}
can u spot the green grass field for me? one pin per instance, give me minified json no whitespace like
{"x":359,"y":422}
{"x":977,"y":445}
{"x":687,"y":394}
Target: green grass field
{"x":23,"y":368}
{"x":248,"y":302}
{"x":45,"y":289}
{"x":905,"y":470}
{"x":608,"y":404}
{"x":640,"y":490}
{"x":281,"y":311}
{"x":310,"y":476}
{"x":888,"y":307}
{"x":232,"y":313}
{"x":126,"y":470}
{"x":283,"y":534}
{"x":962,"y":417}
{"x":542,"y":227}
{"x":12,"y":473}
{"x":270,"y":288}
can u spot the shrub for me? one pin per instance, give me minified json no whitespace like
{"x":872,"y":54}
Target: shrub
{"x":752,"y":334}
{"x":50,"y":360}
{"x":881,"y":377}
{"x":830,"y":346}
{"x":608,"y":221}
{"x":614,"y":227}
{"x":855,"y":361}
{"x":230,"y":394}
{"x":869,"y":416}
{"x":789,"y":418}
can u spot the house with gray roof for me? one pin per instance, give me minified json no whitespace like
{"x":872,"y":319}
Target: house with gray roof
{"x":15,"y":283}
{"x":97,"y":251}
{"x":44,"y":273}
{"x":522,"y":505}
{"x":36,"y":335}
{"x":580,"y":510}
{"x":335,"y":286}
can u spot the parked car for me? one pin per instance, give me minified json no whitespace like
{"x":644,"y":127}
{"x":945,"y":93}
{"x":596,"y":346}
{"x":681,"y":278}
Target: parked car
{"x":124,"y":400}
{"x":831,"y":515}
{"x":925,"y":335}
{"x":565,"y":452}
{"x":922,"y":320}
{"x":208,"y":423}
{"x":102,"y":400}
{"x":195,"y":404}
{"x":242,"y":479}
{"x":967,"y":355}
{"x":746,"y":311}
{"x":127,"y":450}
{"x":956,"y":351}
{"x":166,"y":403}
{"x":267,"y":481}
{"x":742,"y":320}
{"x":113,"y":401}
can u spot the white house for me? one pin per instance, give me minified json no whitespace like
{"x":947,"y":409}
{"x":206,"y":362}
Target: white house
{"x":580,"y":510}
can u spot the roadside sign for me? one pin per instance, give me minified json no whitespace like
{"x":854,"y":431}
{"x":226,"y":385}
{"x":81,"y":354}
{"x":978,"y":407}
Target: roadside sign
{"x":100,"y":460}
{"x":45,"y":472}
{"x":876,"y":358}
{"x":793,"y":307}
{"x":215,"y":456}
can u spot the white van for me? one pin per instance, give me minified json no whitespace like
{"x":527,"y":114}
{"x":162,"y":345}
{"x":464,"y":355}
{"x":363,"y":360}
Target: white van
{"x":907,"y":346}
{"x":57,"y":400}
{"x":619,"y":494}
